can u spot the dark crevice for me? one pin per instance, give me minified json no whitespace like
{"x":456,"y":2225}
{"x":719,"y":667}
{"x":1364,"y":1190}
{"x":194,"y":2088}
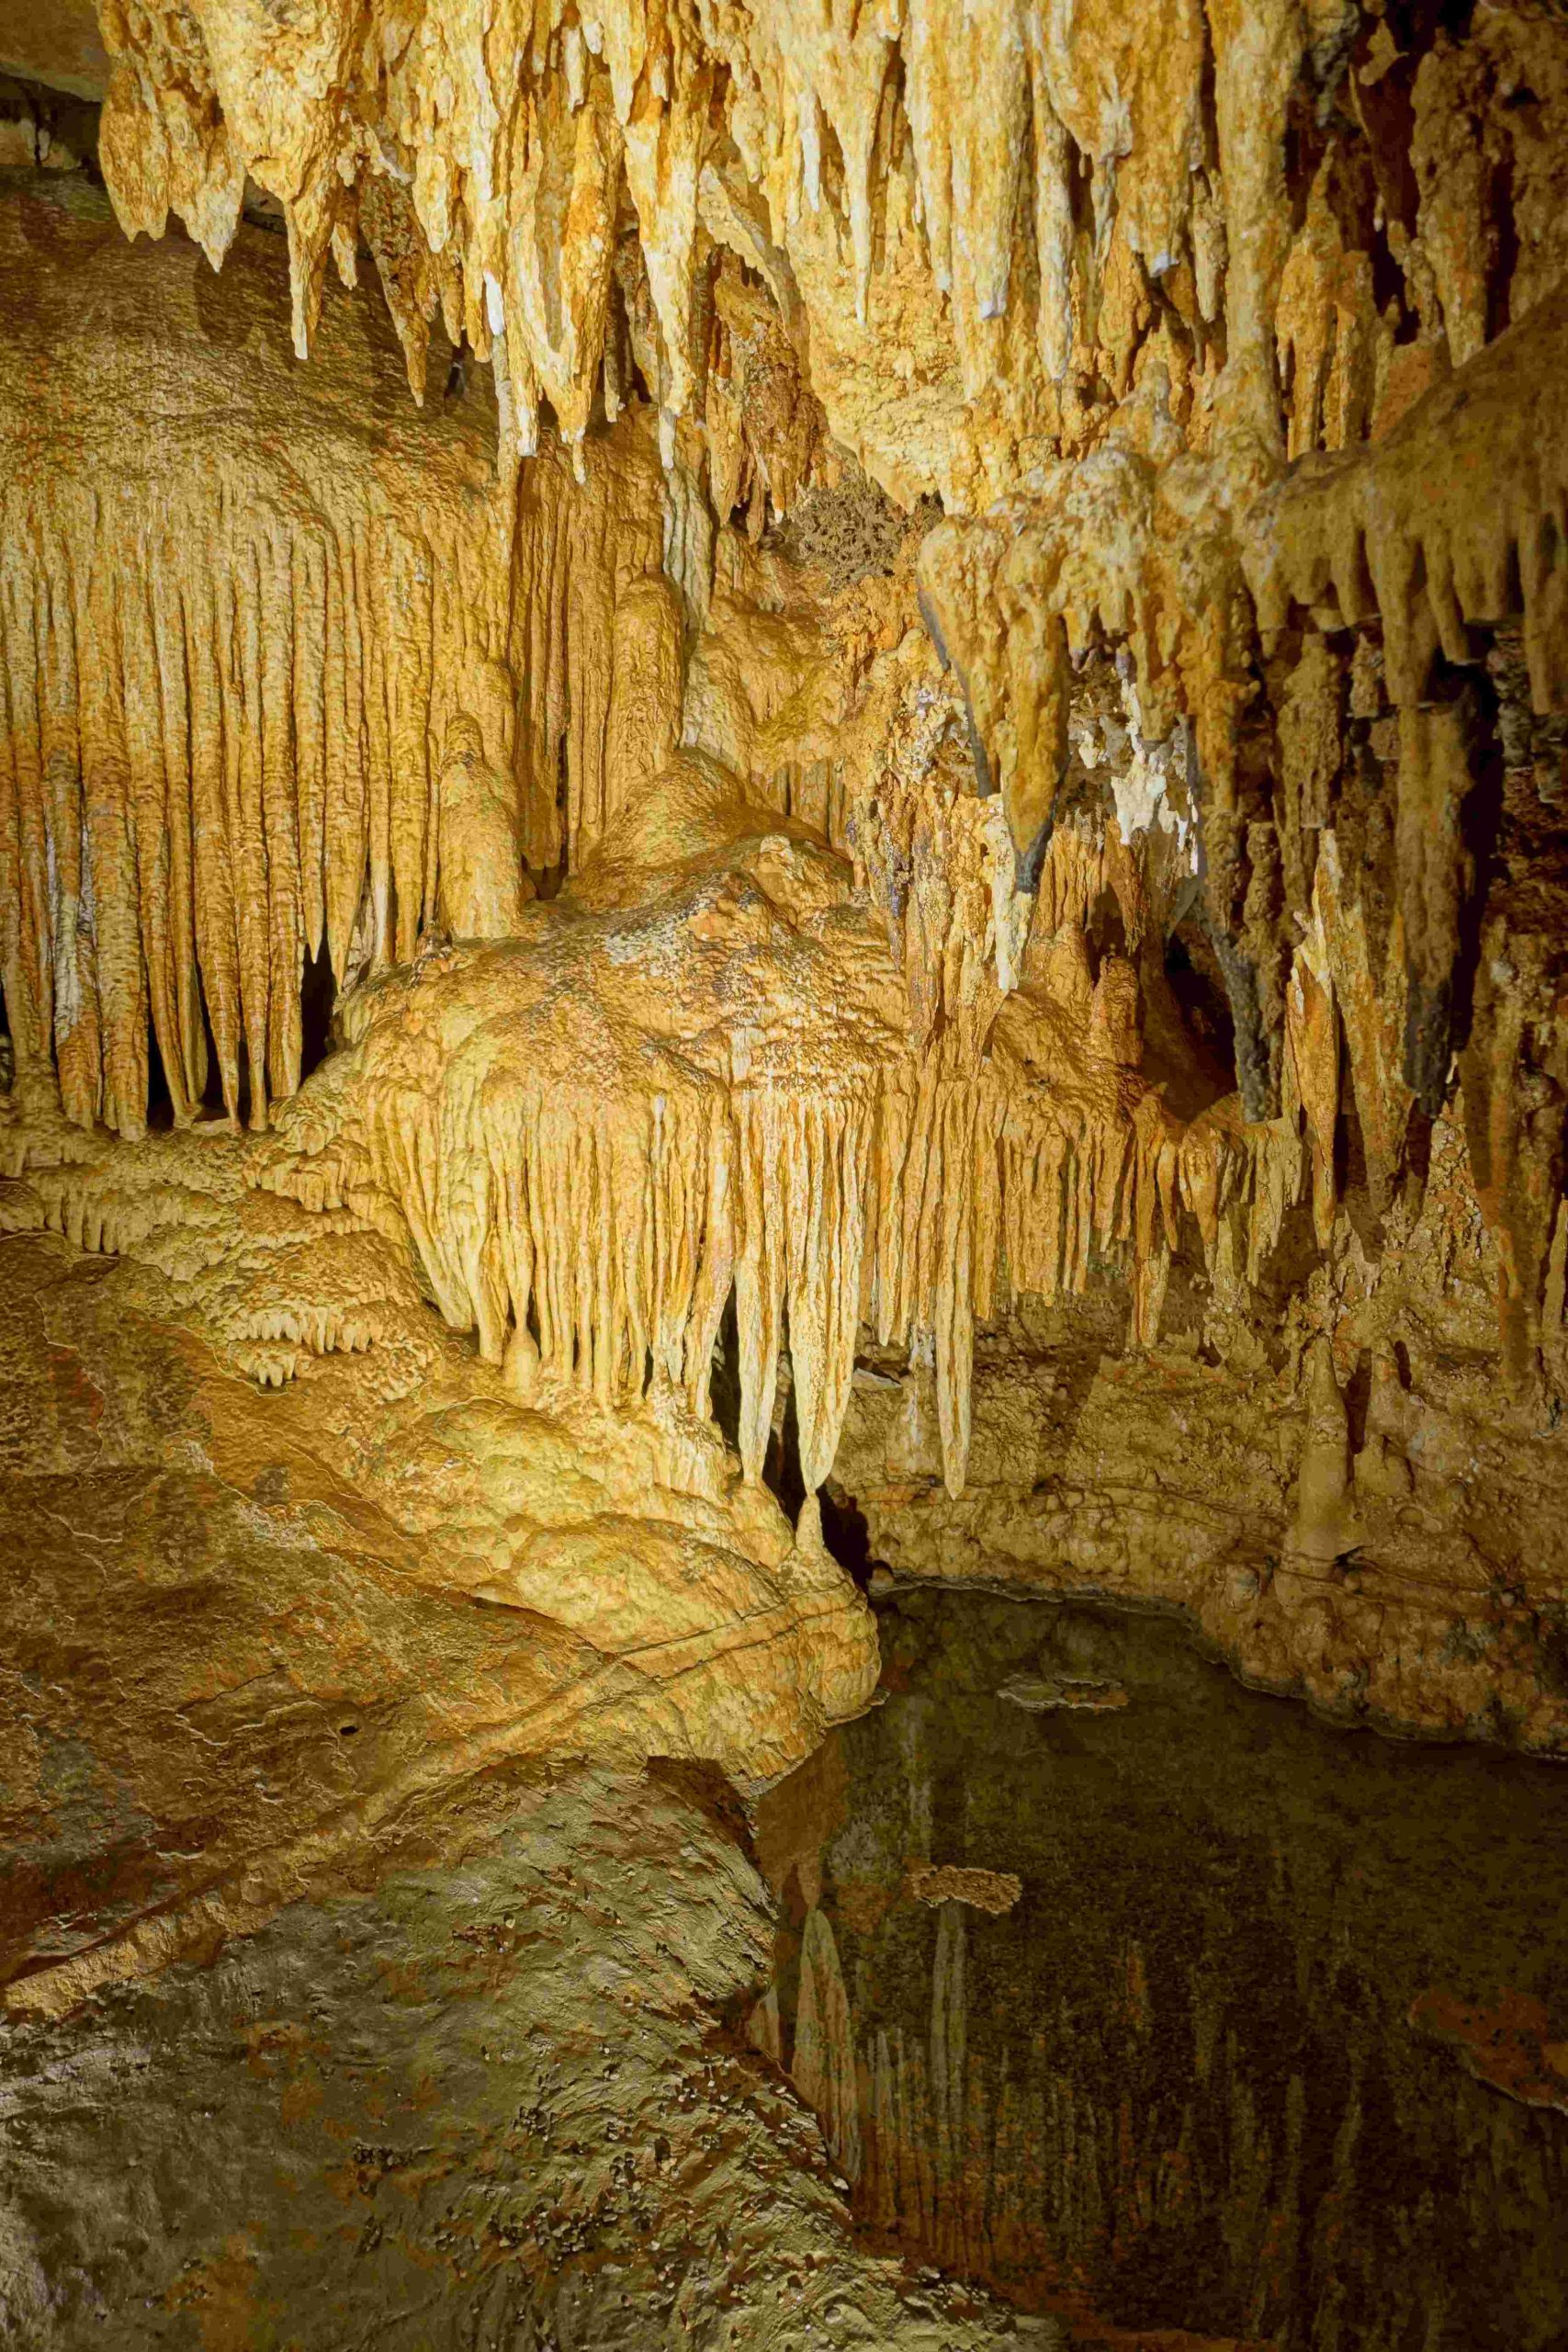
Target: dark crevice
{"x":846,"y":1533}
{"x":212,"y":1102}
{"x":1106,"y":930}
{"x":1439,"y":1018}
{"x":1196,"y":982}
{"x":160,"y":1101}
{"x":725,"y":1378}
{"x":781,"y":1464}
{"x":318,"y":996}
{"x":548,"y":879}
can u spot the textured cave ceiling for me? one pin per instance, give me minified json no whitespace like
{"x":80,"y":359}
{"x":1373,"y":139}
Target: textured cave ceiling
{"x":781,"y":791}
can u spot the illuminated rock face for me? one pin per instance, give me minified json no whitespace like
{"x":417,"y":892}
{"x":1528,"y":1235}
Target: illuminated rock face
{"x":891,"y":864}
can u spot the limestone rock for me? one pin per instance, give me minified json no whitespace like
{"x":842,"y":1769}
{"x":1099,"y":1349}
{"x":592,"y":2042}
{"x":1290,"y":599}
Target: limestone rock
{"x":780,"y":792}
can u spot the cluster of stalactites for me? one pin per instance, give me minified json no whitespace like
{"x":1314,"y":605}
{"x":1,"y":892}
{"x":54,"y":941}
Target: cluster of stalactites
{"x":483,"y":162}
{"x":1448,"y":531}
{"x":1421,"y":549}
{"x":225,"y":742}
{"x":593,"y":1240}
{"x":208,"y":747}
{"x":1041,"y":198}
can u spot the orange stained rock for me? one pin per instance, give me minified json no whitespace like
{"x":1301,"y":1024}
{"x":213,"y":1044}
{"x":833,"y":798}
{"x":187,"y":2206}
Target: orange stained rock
{"x":1511,"y":2045}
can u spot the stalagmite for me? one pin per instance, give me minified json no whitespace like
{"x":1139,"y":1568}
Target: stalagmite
{"x":1323,"y":1527}
{"x":724,"y":886}
{"x":642,"y":725}
{"x":483,"y":888}
{"x":1313,"y":1032}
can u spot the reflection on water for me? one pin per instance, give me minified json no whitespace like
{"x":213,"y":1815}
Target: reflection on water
{"x":1134,"y":1992}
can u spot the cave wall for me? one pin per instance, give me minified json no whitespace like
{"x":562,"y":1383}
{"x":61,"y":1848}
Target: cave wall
{"x":998,"y":666}
{"x":780,"y":794}
{"x":246,"y":606}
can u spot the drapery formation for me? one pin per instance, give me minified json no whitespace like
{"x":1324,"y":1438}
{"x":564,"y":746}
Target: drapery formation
{"x":218,"y":742}
{"x":1315,"y":537}
{"x":222,"y":752}
{"x":588,"y":1167}
{"x":229,"y":664}
{"x":594,"y":1241}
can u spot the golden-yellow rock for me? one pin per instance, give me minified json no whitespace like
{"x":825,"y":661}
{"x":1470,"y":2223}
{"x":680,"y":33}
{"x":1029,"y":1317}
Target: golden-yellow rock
{"x":828,"y":837}
{"x":483,"y":888}
{"x":859,"y":779}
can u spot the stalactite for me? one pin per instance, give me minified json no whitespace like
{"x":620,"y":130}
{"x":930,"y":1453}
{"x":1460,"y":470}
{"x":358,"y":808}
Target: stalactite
{"x":1450,"y":520}
{"x":122,"y":985}
{"x":593,"y":1238}
{"x":517,"y":147}
{"x":346,"y":830}
{"x":1446,"y":525}
{"x":1258,"y":47}
{"x":77,"y":1042}
{"x":1026,"y":190}
{"x":1329,"y":336}
{"x":311,"y":687}
{"x":1312,"y":1030}
{"x":26,"y":968}
{"x":218,"y":747}
{"x":575,"y":554}
{"x":260,"y":738}
{"x":591,"y":1229}
{"x":1117,"y":547}
{"x":969,"y":152}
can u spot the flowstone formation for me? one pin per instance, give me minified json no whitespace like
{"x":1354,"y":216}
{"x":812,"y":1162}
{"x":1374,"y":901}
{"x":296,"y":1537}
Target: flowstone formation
{"x":779,"y":793}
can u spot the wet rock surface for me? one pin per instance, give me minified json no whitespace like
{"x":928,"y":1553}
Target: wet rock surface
{"x":780,"y":794}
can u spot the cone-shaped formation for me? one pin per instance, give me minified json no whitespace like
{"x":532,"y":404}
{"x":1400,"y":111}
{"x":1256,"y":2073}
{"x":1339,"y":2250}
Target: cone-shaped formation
{"x":1454,"y":521}
{"x":1443,"y":540}
{"x":755,"y":928}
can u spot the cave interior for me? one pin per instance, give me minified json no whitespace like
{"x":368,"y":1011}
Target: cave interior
{"x":783,"y":1124}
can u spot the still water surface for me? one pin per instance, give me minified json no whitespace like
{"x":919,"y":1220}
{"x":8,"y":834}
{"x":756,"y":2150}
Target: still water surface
{"x":1234,"y":2022}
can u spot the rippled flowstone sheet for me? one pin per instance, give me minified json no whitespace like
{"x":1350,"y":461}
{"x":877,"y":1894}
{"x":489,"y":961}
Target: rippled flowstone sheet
{"x":1134,"y":1992}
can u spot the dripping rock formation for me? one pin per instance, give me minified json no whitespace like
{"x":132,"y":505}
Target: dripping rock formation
{"x":782,"y":813}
